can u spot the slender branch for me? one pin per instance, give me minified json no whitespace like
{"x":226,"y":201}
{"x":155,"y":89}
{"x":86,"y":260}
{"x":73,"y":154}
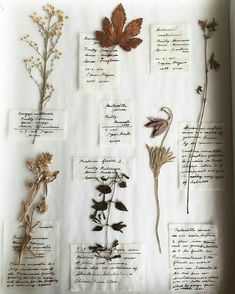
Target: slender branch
{"x":158,"y":213}
{"x":108,"y":213}
{"x":200,"y":120}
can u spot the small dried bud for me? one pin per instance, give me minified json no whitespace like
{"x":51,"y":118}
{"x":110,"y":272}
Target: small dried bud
{"x":199,"y":90}
{"x":214,"y":65}
{"x":43,"y":207}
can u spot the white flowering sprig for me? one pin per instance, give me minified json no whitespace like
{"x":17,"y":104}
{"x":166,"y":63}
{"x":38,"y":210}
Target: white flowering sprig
{"x":50,"y":26}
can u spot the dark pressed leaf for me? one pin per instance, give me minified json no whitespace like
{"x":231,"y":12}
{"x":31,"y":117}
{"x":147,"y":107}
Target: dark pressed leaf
{"x":116,"y":256}
{"x":97,"y":228}
{"x":122,"y":184}
{"x":114,"y":33}
{"x":105,"y":189}
{"x":118,"y":227}
{"x":99,"y":246}
{"x":103,"y":205}
{"x":119,"y":205}
{"x":115,"y":243}
{"x":125,"y":176}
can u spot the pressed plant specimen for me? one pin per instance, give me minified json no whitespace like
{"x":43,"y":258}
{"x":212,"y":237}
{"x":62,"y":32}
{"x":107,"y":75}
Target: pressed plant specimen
{"x":208,"y":28}
{"x":102,"y":213}
{"x":114,"y":32}
{"x":158,"y":156}
{"x":37,"y":199}
{"x":41,"y":65}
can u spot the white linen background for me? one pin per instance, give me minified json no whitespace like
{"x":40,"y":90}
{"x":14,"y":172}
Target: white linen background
{"x":69,"y":202}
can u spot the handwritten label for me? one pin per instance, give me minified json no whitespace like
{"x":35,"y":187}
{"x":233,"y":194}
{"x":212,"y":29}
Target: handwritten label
{"x":207,"y":168}
{"x":170,"y":48}
{"x":193,"y":257}
{"x":46,"y":125}
{"x":99,"y":67}
{"x":40,"y":270}
{"x":91,"y":168}
{"x":90,"y":273}
{"x":116,"y":123}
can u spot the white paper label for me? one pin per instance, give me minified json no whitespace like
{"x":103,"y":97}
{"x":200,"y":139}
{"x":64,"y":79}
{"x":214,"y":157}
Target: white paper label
{"x":49,"y":124}
{"x":193,"y":257}
{"x":91,"y":168}
{"x":207,"y":168}
{"x":40,"y":270}
{"x":98,"y":67}
{"x":170,"y":48}
{"x":90,"y":273}
{"x":116,"y":123}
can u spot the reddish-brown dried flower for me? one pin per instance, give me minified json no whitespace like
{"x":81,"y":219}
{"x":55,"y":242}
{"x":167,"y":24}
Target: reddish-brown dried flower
{"x":159,"y":126}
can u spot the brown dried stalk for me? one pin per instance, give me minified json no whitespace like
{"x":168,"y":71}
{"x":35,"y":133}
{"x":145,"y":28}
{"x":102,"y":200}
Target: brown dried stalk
{"x":40,"y":66}
{"x":208,"y":28}
{"x":42,"y":177}
{"x":158,"y":156}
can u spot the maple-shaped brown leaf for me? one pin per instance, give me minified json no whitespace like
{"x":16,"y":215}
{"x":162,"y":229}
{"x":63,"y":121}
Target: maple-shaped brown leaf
{"x":114,"y":33}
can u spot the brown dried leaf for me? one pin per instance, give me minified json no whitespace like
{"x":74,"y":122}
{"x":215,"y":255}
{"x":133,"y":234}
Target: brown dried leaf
{"x":118,"y":227}
{"x":105,"y":189}
{"x":120,"y":206}
{"x":122,"y":184}
{"x":97,"y":228}
{"x":103,"y":205}
{"x":113,"y":33}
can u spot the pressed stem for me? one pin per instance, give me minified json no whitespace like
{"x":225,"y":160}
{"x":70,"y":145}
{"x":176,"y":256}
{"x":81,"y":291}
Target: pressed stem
{"x":44,"y":79}
{"x":108,"y":215}
{"x":199,"y":125}
{"x":158,"y":213}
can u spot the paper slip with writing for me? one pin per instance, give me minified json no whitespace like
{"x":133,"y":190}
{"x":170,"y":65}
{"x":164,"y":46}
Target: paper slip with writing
{"x":193,"y":258}
{"x":98,"y":67}
{"x":92,"y":273}
{"x":91,"y":168}
{"x":170,"y":48}
{"x":40,"y":270}
{"x":208,"y":164}
{"x":50,"y":124}
{"x":116,"y":123}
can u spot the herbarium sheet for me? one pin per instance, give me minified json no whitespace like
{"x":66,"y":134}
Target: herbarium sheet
{"x":107,"y":196}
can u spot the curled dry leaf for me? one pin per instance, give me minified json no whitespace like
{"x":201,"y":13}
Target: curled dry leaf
{"x":159,"y":126}
{"x":114,"y":33}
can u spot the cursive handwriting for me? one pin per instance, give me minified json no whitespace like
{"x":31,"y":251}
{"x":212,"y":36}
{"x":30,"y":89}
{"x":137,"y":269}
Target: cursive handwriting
{"x":99,"y":67}
{"x":170,"y":48}
{"x":193,"y":257}
{"x":207,"y":170}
